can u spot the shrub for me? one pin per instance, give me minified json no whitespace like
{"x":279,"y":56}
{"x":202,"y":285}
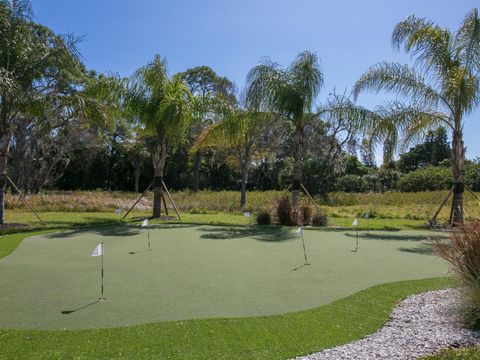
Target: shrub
{"x":285,"y":212}
{"x":305,"y":213}
{"x":263,"y":218}
{"x":463,"y":254}
{"x":426,"y":179}
{"x":320,"y":219}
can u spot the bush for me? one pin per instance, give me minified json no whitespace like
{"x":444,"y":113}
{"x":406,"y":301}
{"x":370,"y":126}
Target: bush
{"x":263,"y":218}
{"x":285,"y":212}
{"x":463,"y":253}
{"x":427,"y":179}
{"x":305,"y":213}
{"x":320,"y":219}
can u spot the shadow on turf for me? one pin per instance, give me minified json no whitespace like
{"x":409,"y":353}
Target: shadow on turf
{"x":396,"y":236}
{"x":67,"y":312}
{"x":270,"y":234}
{"x":423,"y":249}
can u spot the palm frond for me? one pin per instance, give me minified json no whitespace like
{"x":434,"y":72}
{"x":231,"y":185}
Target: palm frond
{"x":468,"y":41}
{"x":432,"y":45}
{"x":399,"y":79}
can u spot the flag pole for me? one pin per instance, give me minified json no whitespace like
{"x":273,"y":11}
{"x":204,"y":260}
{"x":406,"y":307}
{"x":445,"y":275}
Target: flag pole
{"x":148,"y":236}
{"x":304,"y":251}
{"x":102,"y":298}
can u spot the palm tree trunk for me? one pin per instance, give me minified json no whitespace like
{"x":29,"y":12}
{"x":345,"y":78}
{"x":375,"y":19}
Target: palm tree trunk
{"x":137,"y":177}
{"x":244,"y":162}
{"x":297,"y":165}
{"x":196,"y":172}
{"x":4,"y":147}
{"x":458,"y":163}
{"x":159,"y":157}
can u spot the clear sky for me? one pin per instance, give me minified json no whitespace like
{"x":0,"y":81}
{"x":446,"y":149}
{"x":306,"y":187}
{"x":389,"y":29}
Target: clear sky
{"x":232,"y":36}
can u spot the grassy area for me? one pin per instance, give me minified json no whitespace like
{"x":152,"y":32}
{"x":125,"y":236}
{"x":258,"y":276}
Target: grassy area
{"x":274,"y":337}
{"x":455,"y":354}
{"x":406,"y":206}
{"x":63,"y":220}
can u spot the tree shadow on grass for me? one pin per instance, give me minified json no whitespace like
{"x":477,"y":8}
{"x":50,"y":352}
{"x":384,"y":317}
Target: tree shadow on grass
{"x":396,"y":236}
{"x":270,"y":234}
{"x":106,"y":230}
{"x":423,"y":249}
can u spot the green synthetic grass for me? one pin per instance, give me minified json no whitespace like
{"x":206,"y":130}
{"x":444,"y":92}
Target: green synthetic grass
{"x":272,"y":337}
{"x":197,"y":272}
{"x":455,"y":354}
{"x":275,"y":337}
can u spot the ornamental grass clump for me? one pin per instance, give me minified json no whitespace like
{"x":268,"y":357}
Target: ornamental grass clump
{"x":462,"y":251}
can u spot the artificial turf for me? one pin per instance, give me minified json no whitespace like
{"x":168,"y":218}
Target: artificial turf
{"x":193,"y":272}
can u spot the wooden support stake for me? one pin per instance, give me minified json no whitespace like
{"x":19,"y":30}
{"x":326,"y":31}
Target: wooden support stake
{"x":136,"y":202}
{"x":434,"y":218}
{"x":165,"y":204}
{"x":25,"y":200}
{"x":311,"y":198}
{"x":171,"y":200}
{"x":474,"y":195}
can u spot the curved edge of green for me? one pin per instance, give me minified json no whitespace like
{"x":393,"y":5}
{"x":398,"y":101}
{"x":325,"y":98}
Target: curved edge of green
{"x":8,"y":243}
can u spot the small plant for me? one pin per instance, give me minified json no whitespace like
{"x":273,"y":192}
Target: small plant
{"x":264,"y":218}
{"x":462,"y":251}
{"x":306,"y":213}
{"x":320,"y":219}
{"x":285,"y":211}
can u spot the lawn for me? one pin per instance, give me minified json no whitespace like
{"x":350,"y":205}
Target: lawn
{"x":198,"y":289}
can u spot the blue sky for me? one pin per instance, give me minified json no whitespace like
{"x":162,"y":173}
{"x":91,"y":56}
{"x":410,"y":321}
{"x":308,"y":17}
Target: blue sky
{"x":231,"y":36}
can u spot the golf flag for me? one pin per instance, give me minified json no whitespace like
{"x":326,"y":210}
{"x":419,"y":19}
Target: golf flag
{"x":118,"y":211}
{"x":299,"y":231}
{"x":355,"y":222}
{"x":367,"y":215}
{"x":145,"y":223}
{"x":98,"y":251}
{"x":246,"y":214}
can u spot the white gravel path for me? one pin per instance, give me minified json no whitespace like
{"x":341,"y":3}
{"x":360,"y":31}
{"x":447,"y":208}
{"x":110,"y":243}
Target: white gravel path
{"x":420,"y":325}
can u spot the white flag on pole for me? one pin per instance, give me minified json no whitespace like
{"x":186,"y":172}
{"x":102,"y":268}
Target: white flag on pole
{"x":145,"y":223}
{"x":299,"y":231}
{"x":367,"y":215}
{"x":118,"y":211}
{"x":355,"y":222}
{"x":98,"y":251}
{"x":246,"y":214}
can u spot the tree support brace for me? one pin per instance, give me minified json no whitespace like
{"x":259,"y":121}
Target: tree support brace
{"x":164,"y":202}
{"x":25,"y":200}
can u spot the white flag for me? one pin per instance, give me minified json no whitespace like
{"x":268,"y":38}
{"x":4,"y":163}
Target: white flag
{"x":98,"y":251}
{"x":246,"y":214}
{"x":145,"y":223}
{"x":118,"y":211}
{"x":367,"y":215}
{"x":299,"y":231}
{"x":355,"y":222}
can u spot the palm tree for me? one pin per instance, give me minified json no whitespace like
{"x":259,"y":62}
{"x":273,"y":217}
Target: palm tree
{"x":162,"y":105}
{"x":239,"y":130}
{"x":290,"y":93}
{"x":40,"y":74}
{"x":440,"y":89}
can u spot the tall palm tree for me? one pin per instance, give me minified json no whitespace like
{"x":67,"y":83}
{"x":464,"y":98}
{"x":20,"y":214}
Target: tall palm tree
{"x":39,"y":75}
{"x":440,"y":89}
{"x":239,"y":130}
{"x":291,"y":94}
{"x":162,"y":105}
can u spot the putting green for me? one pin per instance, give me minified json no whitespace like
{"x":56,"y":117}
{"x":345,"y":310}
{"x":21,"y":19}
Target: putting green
{"x":52,"y":282}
